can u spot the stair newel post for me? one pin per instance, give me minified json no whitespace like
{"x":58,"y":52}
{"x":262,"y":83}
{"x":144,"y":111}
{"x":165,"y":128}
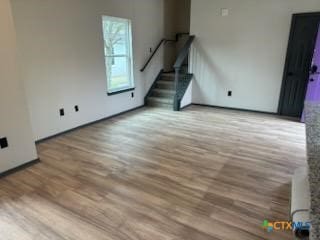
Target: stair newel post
{"x":176,"y":79}
{"x":176,"y":82}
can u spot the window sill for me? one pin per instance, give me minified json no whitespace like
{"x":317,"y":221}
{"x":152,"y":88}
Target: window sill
{"x":120,"y":91}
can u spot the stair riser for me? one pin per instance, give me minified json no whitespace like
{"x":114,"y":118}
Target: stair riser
{"x":161,"y":100}
{"x":161,"y":105}
{"x":167,"y":78}
{"x":165,"y":86}
{"x":162,"y":94}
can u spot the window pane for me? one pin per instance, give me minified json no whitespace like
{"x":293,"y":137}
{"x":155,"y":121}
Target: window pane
{"x":117,"y":47}
{"x":118,"y":73}
{"x":115,"y":36}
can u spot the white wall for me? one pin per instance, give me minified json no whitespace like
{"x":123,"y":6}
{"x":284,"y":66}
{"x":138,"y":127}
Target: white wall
{"x":187,"y":98}
{"x":176,"y":20}
{"x":14,"y":117}
{"x":61,"y":51}
{"x":244,"y":52}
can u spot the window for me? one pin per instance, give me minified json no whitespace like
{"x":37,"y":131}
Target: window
{"x":118,"y":54}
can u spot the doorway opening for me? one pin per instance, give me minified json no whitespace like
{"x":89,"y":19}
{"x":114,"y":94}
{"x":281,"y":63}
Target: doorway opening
{"x":300,"y":80}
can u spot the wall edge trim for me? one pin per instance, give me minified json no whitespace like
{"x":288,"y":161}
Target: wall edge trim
{"x":88,"y":124}
{"x":19,"y":168}
{"x":235,"y":109}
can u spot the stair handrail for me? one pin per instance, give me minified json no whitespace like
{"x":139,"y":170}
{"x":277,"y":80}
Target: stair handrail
{"x":162,"y":41}
{"x":183,"y":54}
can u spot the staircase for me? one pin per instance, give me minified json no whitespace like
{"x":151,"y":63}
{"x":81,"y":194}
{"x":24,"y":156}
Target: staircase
{"x":162,"y":95}
{"x":169,"y":88}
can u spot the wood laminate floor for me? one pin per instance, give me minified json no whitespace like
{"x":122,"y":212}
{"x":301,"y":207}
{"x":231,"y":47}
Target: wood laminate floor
{"x":154,"y":174}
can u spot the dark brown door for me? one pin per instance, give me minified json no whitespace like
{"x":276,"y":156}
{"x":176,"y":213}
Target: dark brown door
{"x":304,"y":30}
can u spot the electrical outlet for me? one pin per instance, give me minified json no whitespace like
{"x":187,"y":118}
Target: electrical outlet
{"x":76,"y":108}
{"x":61,"y":112}
{"x":224,"y":12}
{"x":229,"y":93}
{"x":4,"y":143}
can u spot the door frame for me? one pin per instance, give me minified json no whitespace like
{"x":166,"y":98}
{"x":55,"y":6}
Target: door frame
{"x":288,"y":55}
